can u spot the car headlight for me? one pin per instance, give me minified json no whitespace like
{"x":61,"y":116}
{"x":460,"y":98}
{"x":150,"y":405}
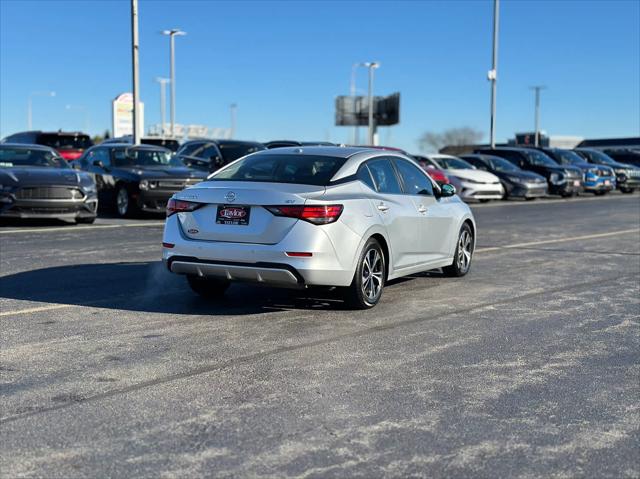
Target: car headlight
{"x":556,"y":178}
{"x":90,"y":188}
{"x":148,"y":184}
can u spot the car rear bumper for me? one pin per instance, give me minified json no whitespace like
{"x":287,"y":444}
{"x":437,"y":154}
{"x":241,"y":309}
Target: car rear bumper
{"x":266,"y":263}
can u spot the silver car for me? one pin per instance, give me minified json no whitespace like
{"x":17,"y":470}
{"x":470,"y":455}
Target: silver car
{"x":352,"y":218}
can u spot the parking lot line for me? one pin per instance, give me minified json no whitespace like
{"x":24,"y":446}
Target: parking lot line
{"x":547,"y":201}
{"x":558,"y":240}
{"x":84,"y":228}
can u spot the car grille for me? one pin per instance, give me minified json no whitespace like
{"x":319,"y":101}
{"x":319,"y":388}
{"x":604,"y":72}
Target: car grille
{"x":178,"y":184}
{"x":633,"y":173}
{"x":49,"y":193}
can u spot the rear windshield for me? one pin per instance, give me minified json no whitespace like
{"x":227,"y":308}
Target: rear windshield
{"x":172,"y":145}
{"x":141,"y":157}
{"x":65,"y":142}
{"x":233,"y":151}
{"x":21,"y":157}
{"x":301,"y":169}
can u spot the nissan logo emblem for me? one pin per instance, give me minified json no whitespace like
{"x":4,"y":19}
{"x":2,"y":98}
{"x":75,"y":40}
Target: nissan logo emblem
{"x":230,"y":197}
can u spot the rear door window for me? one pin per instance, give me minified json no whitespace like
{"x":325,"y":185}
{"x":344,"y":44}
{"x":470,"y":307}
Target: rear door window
{"x":414,"y":181}
{"x":384,"y":176}
{"x":364,"y":176}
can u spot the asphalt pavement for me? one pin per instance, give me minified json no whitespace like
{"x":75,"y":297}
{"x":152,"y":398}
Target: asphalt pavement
{"x":527,"y":367}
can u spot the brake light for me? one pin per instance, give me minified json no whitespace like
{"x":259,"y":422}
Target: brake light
{"x":316,"y":214}
{"x":180,"y":206}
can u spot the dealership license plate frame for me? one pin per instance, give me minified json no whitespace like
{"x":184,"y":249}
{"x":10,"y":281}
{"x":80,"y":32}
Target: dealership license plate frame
{"x":241,"y":221}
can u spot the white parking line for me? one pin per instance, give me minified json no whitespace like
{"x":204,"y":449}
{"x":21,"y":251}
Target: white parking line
{"x":479,"y":250}
{"x":84,"y":228}
{"x":548,"y":201}
{"x":558,"y":240}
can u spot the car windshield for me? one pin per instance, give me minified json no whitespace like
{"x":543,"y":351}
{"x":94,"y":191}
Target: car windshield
{"x":65,"y":142}
{"x":142,"y":157}
{"x":233,"y":151}
{"x":189,"y":148}
{"x":503,"y":166}
{"x":569,"y":157}
{"x":172,"y":145}
{"x":454,"y":164}
{"x":539,"y":159}
{"x":301,"y":169}
{"x":21,"y":157}
{"x":599,"y":157}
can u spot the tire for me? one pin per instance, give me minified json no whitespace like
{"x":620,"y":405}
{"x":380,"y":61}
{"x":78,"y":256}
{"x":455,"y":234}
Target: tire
{"x":463,"y":255}
{"x":207,"y":288}
{"x":627,"y":190}
{"x":365,"y":290}
{"x":125,"y":206}
{"x":86,"y":221}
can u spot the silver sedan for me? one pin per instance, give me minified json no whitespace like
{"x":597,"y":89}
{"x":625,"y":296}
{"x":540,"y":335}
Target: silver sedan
{"x":352,"y":218}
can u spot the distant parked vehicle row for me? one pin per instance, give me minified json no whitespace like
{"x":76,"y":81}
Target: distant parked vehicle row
{"x":627,"y":175}
{"x":211,"y":155}
{"x":70,"y":145}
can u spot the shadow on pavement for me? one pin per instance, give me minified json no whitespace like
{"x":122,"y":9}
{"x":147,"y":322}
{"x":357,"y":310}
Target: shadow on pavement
{"x":149,"y":287}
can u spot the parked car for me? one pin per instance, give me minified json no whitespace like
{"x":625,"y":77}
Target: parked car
{"x":627,"y":176}
{"x":69,"y":144}
{"x":36,"y":182}
{"x":287,"y":143}
{"x":475,"y":184}
{"x":168,"y":143}
{"x":596,"y":179}
{"x":438,"y":175}
{"x":630,"y":156}
{"x":517,"y":183}
{"x":133,"y":179}
{"x":331,"y":216}
{"x":210,"y":155}
{"x":562,"y":180}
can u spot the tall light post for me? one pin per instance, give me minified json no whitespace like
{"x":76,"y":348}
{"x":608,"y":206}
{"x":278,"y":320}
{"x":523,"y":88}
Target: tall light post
{"x":135,"y":72}
{"x":172,"y":74}
{"x":163,"y":83}
{"x":85,"y":114}
{"x":537,"y":89}
{"x":492,"y":76}
{"x":233,"y":109}
{"x":371,"y":66}
{"x":352,"y":91}
{"x":30,"y":105}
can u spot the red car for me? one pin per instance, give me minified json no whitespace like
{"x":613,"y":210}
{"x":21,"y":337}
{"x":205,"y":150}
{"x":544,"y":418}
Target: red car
{"x":437,"y":174}
{"x":70,"y":145}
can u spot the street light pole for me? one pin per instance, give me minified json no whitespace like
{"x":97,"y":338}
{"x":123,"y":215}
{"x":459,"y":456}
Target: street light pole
{"x":136,"y":73}
{"x":371,"y":66}
{"x":537,"y":89}
{"x":172,"y":73}
{"x":30,"y":105}
{"x":493,"y":73}
{"x":233,"y":108}
{"x":163,"y":103}
{"x":352,"y":91}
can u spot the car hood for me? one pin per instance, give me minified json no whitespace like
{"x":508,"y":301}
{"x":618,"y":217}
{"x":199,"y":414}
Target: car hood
{"x":160,"y":172}
{"x":474,"y":175}
{"x":522,"y":175}
{"x":41,"y":176}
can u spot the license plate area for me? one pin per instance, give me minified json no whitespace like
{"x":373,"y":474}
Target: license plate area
{"x":236,"y":215}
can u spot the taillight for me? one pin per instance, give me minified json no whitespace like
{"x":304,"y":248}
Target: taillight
{"x":179,"y":206}
{"x":316,"y":214}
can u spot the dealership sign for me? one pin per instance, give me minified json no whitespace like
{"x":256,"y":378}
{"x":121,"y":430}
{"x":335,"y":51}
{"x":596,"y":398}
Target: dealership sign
{"x":122,"y":115}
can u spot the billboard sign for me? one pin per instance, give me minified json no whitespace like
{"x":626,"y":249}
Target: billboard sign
{"x":354,"y":110}
{"x":122,"y":115}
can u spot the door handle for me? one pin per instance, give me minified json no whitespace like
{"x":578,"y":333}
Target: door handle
{"x":422,"y":209}
{"x":382,"y":207}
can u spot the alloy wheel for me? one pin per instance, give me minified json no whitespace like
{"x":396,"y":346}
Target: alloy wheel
{"x":465,"y":247}
{"x":372,"y":274}
{"x":122,"y":202}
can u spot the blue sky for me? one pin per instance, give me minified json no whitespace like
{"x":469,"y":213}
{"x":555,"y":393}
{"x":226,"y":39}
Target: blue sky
{"x":283,"y":63}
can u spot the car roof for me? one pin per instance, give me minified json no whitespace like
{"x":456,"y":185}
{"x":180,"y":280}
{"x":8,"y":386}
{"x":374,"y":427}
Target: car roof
{"x":129,"y":145}
{"x":28,"y":146}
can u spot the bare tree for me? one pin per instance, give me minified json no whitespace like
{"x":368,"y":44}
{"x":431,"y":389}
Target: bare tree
{"x":430,"y":141}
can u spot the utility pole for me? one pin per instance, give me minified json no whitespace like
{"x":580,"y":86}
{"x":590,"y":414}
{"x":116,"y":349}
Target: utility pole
{"x":163,"y":104}
{"x":30,"y":105}
{"x":233,"y":108}
{"x":492,"y":76}
{"x":537,"y":89}
{"x":135,"y":66}
{"x":372,"y":128}
{"x":352,"y":91}
{"x":172,"y":63}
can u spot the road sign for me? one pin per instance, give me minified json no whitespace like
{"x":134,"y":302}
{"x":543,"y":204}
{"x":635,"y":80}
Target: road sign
{"x":122,"y":115}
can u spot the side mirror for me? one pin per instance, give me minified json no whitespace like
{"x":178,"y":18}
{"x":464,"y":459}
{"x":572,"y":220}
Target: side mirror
{"x":447,"y":190}
{"x":99,"y":164}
